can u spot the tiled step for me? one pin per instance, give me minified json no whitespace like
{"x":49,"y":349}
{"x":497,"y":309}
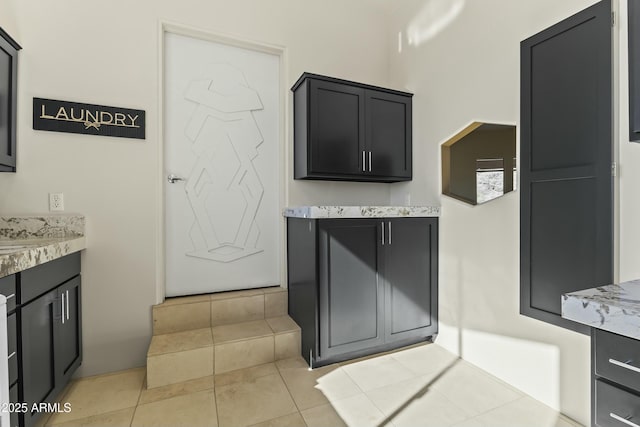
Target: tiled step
{"x":204,"y":311}
{"x":203,"y":335}
{"x":187,"y":355}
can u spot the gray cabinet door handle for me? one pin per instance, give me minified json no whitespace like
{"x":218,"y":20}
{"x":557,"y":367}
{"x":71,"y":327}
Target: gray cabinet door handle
{"x":364,"y":163}
{"x":623,"y":420}
{"x":63,"y":309}
{"x":67,"y":305}
{"x":624,"y":365}
{"x":369,"y":161}
{"x":382,"y":229}
{"x":389,"y":232}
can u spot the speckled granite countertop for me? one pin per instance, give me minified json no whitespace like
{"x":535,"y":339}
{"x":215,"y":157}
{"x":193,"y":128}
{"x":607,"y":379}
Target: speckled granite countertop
{"x":316,"y":212}
{"x":614,"y":308}
{"x":30,"y":240}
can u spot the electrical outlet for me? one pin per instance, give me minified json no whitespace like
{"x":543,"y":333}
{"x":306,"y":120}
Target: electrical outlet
{"x":56,"y":201}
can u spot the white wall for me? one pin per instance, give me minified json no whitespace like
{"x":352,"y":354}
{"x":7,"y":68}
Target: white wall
{"x":470,"y":70}
{"x":109,"y":54}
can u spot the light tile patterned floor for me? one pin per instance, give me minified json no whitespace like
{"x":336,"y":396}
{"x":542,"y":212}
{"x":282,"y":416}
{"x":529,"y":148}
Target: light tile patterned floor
{"x":411,"y":387}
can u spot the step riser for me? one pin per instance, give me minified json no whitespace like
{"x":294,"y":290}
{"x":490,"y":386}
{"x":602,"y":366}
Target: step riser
{"x":183,"y":314}
{"x":186,"y":365}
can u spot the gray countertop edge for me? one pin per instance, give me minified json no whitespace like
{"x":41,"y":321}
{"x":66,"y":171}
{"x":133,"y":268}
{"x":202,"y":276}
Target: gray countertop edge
{"x":613,"y":308}
{"x":320,"y":212}
{"x":38,"y":253}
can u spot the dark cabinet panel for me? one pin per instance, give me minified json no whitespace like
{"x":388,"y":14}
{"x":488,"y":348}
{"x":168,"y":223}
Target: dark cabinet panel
{"x":634,"y":70}
{"x":336,"y":128}
{"x":388,"y":134}
{"x":68,"y":351}
{"x":350,"y":293}
{"x":360,"y":286}
{"x":350,"y":131}
{"x":8,"y":101}
{"x":39,"y":321}
{"x":411,"y":274}
{"x":566,"y":198}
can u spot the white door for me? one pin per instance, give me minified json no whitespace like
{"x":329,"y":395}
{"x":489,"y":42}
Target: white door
{"x":221,"y":151}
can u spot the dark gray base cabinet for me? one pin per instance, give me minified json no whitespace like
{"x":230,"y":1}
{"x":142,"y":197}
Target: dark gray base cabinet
{"x":48,"y":333}
{"x":616,"y":380}
{"x":360,"y":286}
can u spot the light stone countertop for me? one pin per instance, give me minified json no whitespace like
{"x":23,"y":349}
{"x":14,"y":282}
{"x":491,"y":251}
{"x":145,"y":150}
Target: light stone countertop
{"x":613,"y":308}
{"x":30,"y":240}
{"x":319,"y":212}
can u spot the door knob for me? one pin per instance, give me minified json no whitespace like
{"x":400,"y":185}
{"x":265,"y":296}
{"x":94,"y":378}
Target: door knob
{"x":173,"y":178}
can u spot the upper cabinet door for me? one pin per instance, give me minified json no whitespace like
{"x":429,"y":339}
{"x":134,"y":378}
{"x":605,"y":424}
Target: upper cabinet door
{"x":8,"y":101}
{"x":336,"y":131}
{"x":388,"y":134}
{"x":347,"y":131}
{"x":634,"y":70}
{"x":566,"y":198}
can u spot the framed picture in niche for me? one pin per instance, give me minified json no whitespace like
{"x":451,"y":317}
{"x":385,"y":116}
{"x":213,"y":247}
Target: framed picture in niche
{"x":634,"y":70}
{"x":8,"y":101}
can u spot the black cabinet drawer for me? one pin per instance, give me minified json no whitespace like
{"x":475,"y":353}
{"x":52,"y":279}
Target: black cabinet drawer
{"x":12,"y":348}
{"x":44,"y":277}
{"x":617,"y":358}
{"x":614,"y":404}
{"x":8,"y":289}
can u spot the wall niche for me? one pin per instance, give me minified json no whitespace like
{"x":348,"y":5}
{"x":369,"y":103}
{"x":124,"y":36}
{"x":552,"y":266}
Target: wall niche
{"x":479,"y":163}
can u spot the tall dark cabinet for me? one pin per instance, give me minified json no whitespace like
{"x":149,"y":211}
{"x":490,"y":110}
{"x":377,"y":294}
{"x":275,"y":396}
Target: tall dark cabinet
{"x":360,"y":286}
{"x":351,"y":131}
{"x":634,"y":69}
{"x":8,"y":101}
{"x":566,"y":195}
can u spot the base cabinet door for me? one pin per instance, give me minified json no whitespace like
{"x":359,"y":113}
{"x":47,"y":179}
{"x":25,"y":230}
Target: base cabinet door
{"x":351,"y":298}
{"x":411,"y":274}
{"x":68,"y":349}
{"x":39,"y":319}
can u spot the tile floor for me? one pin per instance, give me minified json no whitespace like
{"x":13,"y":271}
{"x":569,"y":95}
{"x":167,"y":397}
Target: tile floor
{"x":410,"y":387}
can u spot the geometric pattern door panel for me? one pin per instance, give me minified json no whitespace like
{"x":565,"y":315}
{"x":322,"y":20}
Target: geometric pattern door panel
{"x":221,"y":115}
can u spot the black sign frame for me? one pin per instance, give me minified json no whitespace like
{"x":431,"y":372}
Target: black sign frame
{"x":88,"y":119}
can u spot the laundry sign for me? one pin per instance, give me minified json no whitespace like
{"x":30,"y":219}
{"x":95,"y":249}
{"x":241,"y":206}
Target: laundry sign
{"x":88,"y":119}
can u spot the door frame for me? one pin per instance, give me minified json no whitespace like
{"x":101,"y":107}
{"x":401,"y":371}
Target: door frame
{"x":283,"y":151}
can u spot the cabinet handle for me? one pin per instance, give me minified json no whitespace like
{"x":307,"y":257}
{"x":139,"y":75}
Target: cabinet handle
{"x":624,"y":365}
{"x":382,"y":228}
{"x":623,"y":420}
{"x":11,"y":296}
{"x":67,"y":305}
{"x":63,"y":309}
{"x":369,"y":161}
{"x":389,"y":232}
{"x":11,"y":355}
{"x":364,"y":163}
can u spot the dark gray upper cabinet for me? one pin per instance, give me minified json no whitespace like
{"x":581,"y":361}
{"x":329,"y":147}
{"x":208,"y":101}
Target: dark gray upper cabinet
{"x":8,"y":101}
{"x":360,"y":286}
{"x":634,"y":70}
{"x":566,"y":198}
{"x":350,"y":131}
